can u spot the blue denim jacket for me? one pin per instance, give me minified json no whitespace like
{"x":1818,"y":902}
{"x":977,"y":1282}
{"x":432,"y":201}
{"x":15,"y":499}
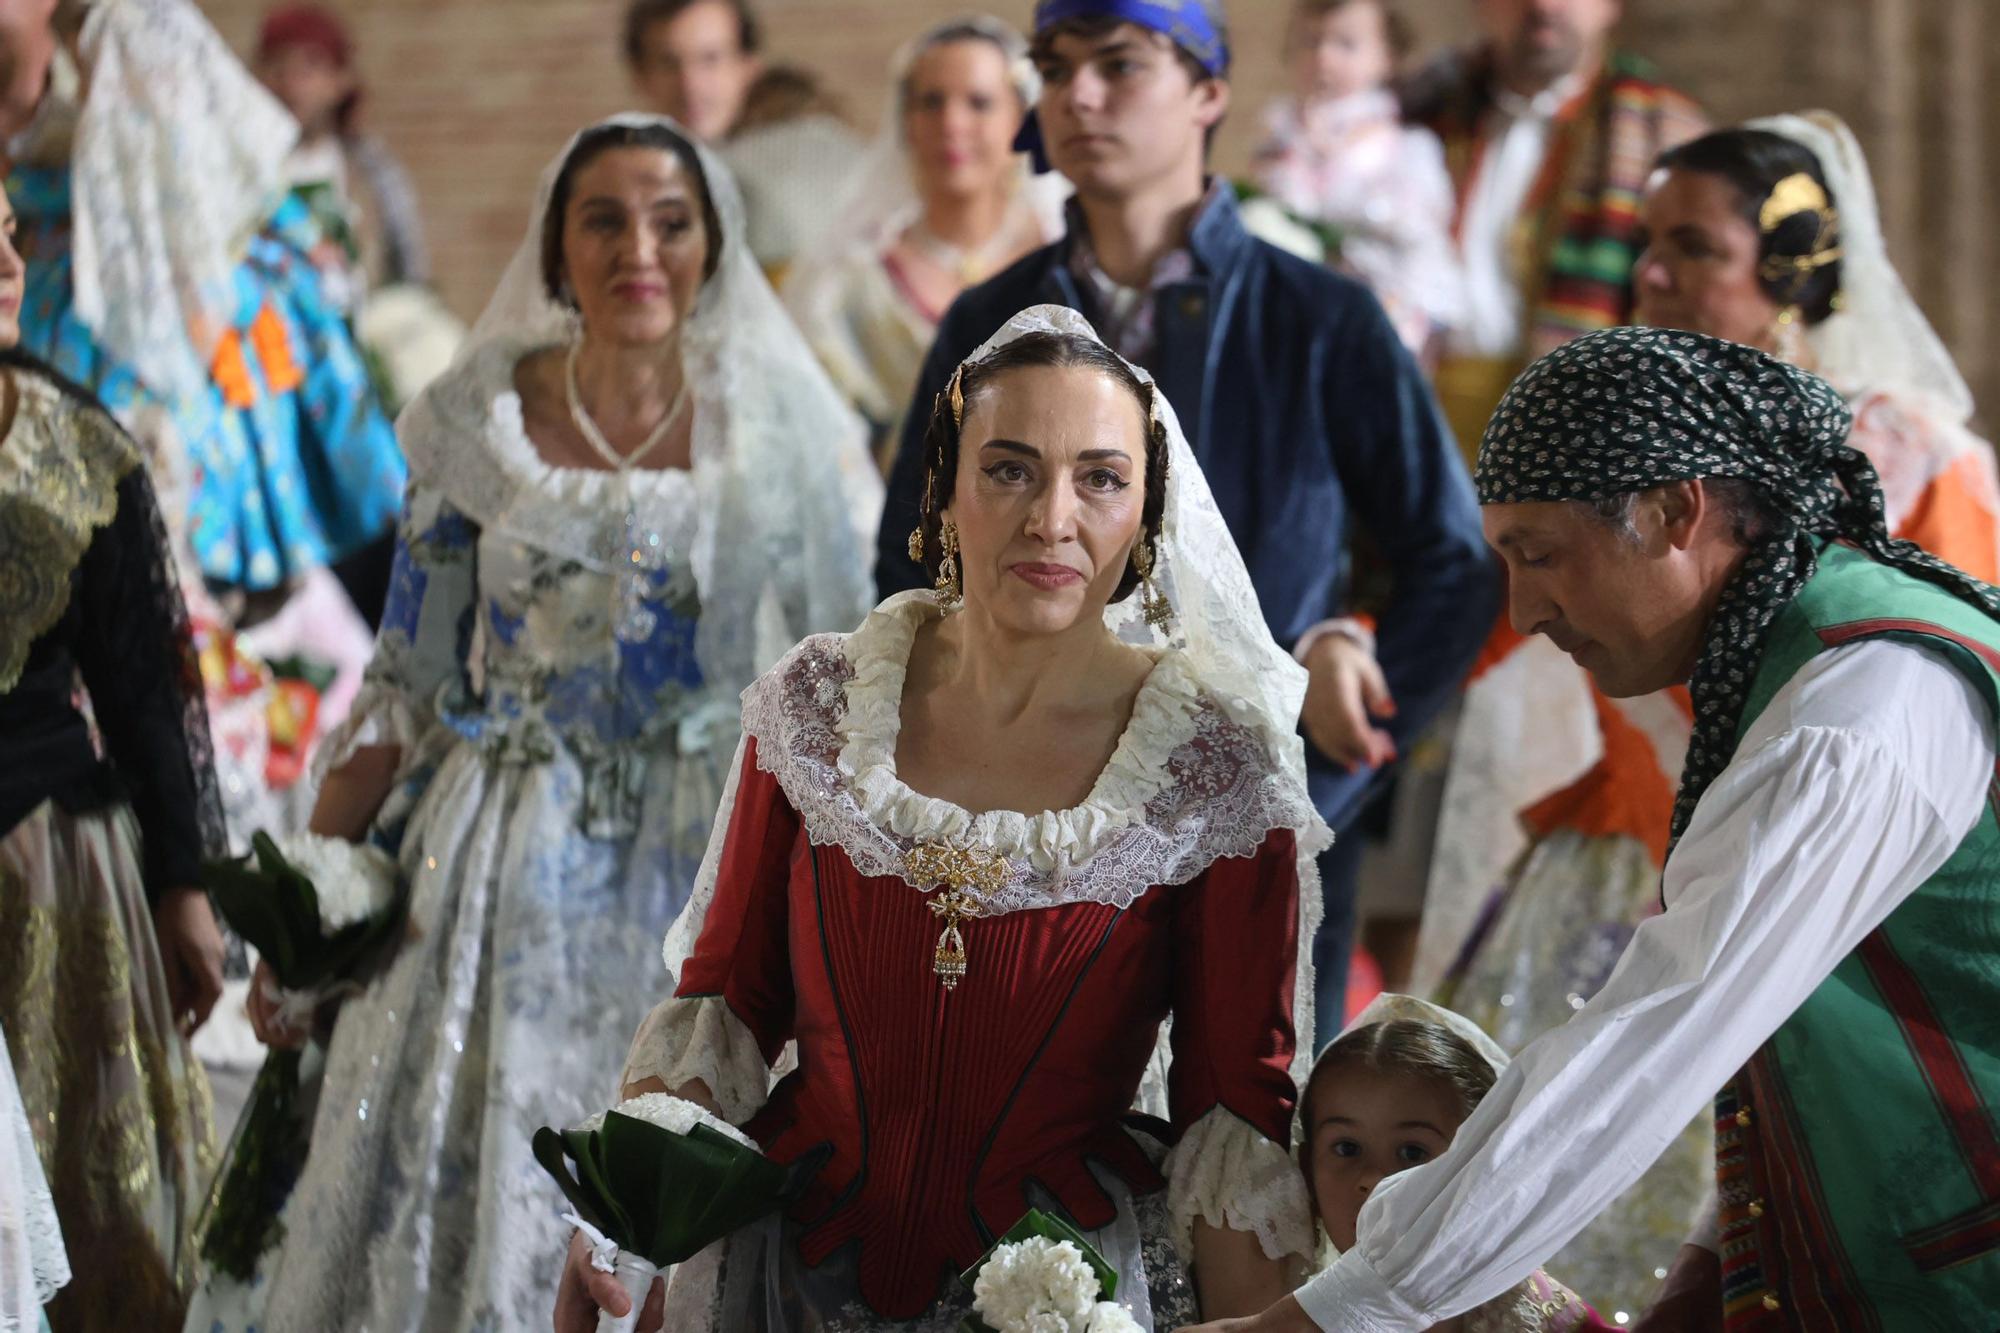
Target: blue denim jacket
{"x":1310,"y":420}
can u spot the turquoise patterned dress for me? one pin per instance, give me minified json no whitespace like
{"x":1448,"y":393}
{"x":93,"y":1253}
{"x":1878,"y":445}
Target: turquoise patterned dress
{"x":291,"y":462}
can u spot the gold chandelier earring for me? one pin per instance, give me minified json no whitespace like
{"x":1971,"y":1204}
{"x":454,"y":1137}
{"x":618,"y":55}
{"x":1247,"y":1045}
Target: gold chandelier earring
{"x":949,"y":585}
{"x":1153,"y":604}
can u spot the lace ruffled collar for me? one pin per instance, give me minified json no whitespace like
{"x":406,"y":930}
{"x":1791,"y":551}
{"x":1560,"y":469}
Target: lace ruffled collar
{"x":1163,"y":718}
{"x":1185,"y":784}
{"x":467,"y":435}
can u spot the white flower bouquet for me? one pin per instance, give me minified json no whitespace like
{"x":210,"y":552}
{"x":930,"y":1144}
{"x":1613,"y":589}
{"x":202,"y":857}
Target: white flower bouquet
{"x":656,"y":1180}
{"x":1044,"y":1277}
{"x":317,"y":910}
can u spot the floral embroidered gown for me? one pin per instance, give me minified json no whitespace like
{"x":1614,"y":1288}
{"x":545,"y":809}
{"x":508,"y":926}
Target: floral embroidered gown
{"x":554,"y":801}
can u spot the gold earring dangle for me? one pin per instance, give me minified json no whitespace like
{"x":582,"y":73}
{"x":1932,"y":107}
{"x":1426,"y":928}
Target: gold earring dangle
{"x":1153,"y":603}
{"x":949,"y":586}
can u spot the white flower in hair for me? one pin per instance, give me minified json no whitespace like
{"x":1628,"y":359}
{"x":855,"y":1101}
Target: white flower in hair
{"x":353,"y":883}
{"x":1036,"y":1285}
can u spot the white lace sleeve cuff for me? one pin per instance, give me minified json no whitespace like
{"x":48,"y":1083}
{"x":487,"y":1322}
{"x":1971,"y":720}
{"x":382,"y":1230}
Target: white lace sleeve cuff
{"x":1226,"y":1174}
{"x":381,"y":715}
{"x":700,"y":1038}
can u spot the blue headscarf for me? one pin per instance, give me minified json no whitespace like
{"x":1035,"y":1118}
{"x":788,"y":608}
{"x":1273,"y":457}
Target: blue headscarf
{"x":1196,"y":26}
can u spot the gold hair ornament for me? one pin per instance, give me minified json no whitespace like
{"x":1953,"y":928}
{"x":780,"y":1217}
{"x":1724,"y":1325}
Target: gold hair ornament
{"x":1796,"y":194}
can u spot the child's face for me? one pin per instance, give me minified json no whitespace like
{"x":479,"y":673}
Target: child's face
{"x":1343,"y":52}
{"x":1368,"y":1124}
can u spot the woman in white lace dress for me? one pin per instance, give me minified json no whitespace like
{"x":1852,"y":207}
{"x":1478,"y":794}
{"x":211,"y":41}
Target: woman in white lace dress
{"x":626,"y":502}
{"x":975,"y":853}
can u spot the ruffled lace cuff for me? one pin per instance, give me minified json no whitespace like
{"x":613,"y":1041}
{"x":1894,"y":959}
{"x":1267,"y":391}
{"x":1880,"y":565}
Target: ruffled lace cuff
{"x":1226,"y":1174}
{"x":700,"y":1038}
{"x":381,"y":715}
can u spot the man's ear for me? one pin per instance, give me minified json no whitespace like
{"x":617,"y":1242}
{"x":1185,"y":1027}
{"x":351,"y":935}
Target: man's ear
{"x":1682,"y":506}
{"x":1211,"y":102}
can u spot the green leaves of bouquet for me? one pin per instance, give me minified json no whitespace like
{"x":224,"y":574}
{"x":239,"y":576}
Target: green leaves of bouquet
{"x":666,"y":1183}
{"x":317,"y":910}
{"x":1043,"y":1274}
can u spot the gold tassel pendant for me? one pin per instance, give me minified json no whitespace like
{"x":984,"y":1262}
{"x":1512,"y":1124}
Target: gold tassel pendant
{"x":962,"y":874}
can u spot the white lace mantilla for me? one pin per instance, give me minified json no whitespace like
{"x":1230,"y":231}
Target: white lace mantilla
{"x":1186,"y":785}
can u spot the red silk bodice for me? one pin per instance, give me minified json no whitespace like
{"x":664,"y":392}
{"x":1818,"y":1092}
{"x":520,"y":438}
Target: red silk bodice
{"x":942,"y":1106}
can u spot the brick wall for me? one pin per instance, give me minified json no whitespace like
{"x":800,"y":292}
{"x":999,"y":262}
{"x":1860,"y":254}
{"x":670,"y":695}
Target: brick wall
{"x":477,"y":94}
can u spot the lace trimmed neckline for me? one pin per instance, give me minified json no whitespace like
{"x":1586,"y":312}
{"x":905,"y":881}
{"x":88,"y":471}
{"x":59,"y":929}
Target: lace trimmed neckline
{"x":507,"y":434}
{"x":1164,"y":717}
{"x":465,"y":436}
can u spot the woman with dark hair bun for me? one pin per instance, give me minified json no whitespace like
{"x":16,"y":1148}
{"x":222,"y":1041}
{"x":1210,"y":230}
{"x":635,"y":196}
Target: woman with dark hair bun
{"x":1768,"y":235}
{"x":626,"y":500}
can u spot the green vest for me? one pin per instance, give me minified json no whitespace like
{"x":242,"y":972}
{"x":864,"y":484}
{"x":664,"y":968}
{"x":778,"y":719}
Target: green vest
{"x":1858,"y":1153}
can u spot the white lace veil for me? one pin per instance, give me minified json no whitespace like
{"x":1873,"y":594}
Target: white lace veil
{"x":178,"y":159}
{"x":1389,"y":1007}
{"x":780,"y":462}
{"x":880,"y":200}
{"x":1879,"y":338}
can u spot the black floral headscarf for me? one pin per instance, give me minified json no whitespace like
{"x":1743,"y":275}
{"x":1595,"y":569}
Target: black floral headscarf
{"x":1629,"y":409}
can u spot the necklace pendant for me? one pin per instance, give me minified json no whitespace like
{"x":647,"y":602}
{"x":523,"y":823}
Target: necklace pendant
{"x":949,"y":959}
{"x":966,"y":878}
{"x":955,"y":907}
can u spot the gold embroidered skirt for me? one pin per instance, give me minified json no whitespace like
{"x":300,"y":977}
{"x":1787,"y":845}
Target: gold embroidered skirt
{"x":117,"y":1102}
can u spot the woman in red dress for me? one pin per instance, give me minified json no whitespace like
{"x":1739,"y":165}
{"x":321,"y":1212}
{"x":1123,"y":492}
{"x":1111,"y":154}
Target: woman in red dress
{"x":976,"y":854}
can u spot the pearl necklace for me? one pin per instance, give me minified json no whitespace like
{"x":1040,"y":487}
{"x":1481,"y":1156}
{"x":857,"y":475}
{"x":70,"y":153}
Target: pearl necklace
{"x":632,"y":621}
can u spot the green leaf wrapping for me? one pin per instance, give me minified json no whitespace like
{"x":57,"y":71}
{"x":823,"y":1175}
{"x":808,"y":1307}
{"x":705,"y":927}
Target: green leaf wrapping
{"x":240,"y":1221}
{"x":276,"y":908}
{"x":1049,"y":1227}
{"x":667,"y":1196}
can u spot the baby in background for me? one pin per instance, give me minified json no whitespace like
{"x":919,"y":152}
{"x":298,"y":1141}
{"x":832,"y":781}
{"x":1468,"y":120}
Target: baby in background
{"x":1390,"y":1094}
{"x":1337,"y":152}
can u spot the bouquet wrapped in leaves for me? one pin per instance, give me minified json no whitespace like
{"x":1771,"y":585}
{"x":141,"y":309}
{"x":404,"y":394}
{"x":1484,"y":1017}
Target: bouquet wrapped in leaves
{"x":1043,"y":1276}
{"x":317,"y":910}
{"x":657,"y":1180}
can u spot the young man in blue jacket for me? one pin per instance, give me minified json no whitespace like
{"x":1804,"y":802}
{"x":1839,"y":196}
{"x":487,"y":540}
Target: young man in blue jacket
{"x":1309,"y":418}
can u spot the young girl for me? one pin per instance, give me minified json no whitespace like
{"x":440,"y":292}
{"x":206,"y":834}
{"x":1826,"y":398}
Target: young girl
{"x":1337,"y":152}
{"x":1388,"y":1095}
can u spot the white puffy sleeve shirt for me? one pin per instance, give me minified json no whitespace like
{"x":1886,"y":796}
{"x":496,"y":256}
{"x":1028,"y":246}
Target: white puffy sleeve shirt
{"x":1858,"y":781}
